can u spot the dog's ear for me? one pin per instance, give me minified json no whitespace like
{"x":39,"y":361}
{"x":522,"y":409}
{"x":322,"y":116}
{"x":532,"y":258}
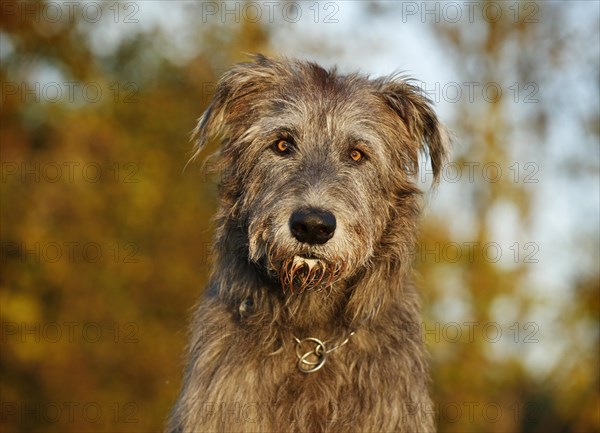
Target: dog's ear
{"x":239,"y":93}
{"x":425,"y":131}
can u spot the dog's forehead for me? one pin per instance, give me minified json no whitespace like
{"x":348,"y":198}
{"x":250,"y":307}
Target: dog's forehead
{"x":329,"y":91}
{"x":336,"y":105}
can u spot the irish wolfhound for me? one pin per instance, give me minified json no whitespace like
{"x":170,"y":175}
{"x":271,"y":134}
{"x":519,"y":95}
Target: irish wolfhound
{"x":309,"y":320}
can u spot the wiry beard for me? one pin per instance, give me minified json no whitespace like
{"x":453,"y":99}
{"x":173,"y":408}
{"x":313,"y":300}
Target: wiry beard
{"x":298,"y":274}
{"x":297,"y":267}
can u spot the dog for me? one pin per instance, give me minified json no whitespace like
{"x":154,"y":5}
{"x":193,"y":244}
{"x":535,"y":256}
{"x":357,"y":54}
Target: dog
{"x":308,"y":323}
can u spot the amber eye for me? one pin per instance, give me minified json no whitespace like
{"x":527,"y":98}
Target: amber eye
{"x":356,"y":155}
{"x":283,"y":147}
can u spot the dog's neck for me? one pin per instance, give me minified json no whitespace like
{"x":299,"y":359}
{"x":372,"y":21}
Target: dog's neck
{"x":344,"y":305}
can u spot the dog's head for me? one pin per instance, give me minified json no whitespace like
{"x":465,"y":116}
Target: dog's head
{"x":318,"y":167}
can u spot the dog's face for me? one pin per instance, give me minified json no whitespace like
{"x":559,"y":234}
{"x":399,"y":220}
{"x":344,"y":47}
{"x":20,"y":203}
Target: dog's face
{"x":317,"y":166}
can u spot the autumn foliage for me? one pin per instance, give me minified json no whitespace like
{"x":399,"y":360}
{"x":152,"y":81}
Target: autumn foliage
{"x":105,"y":232}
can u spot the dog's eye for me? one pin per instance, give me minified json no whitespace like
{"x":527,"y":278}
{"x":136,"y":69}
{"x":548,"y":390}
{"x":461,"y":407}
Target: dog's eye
{"x":356,"y":155}
{"x":282,"y":147}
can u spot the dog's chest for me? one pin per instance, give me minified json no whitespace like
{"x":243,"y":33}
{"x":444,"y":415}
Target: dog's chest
{"x":269,"y":392}
{"x":247,"y":380}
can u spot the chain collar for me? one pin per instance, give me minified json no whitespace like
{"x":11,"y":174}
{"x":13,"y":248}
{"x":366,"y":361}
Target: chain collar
{"x":313,"y":360}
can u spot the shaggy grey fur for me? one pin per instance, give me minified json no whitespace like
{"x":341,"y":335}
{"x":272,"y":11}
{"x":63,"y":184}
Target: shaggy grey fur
{"x":298,"y":138}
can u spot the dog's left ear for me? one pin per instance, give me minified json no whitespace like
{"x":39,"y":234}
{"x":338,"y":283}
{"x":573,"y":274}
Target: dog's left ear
{"x":426,"y":132}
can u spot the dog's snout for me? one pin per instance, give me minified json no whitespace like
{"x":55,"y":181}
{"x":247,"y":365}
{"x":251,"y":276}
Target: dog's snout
{"x":312,"y":226}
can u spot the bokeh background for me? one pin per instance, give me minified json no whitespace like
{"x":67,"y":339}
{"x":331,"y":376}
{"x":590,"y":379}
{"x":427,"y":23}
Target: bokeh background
{"x":105,"y":236}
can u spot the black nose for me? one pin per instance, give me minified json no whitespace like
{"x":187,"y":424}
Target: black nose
{"x":312,"y":226}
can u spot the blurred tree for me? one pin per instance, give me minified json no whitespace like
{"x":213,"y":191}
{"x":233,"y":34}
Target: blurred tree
{"x":104,"y":238}
{"x":494,"y":385}
{"x":87,"y":175}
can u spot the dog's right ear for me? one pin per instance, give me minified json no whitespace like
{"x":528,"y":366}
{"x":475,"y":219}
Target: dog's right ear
{"x":238,"y":97}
